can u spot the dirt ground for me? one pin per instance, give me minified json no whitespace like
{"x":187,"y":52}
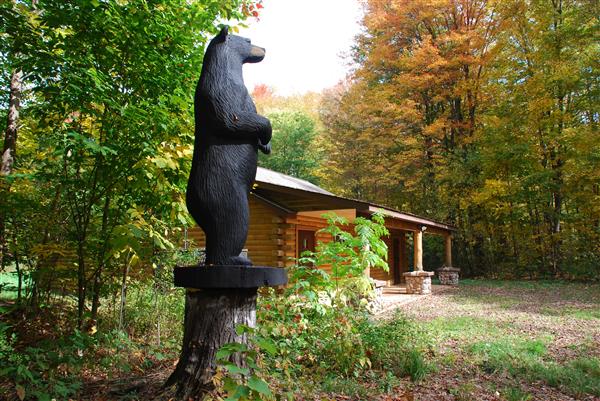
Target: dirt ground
{"x":566,"y":316}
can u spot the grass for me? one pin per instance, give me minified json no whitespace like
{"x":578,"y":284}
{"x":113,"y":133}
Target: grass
{"x":573,"y":312}
{"x":8,"y":285}
{"x":522,"y":284}
{"x":528,"y":359}
{"x":462,"y":327}
{"x":503,"y":302}
{"x":515,"y":394}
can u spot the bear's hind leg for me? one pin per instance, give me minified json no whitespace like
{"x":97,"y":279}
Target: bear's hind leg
{"x":231,"y":233}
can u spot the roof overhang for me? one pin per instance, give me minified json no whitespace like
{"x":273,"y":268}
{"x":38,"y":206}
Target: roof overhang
{"x":410,"y":217}
{"x":294,"y":200}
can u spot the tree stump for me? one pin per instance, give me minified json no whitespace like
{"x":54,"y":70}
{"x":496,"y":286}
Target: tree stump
{"x":211,"y":317}
{"x":218,"y":299}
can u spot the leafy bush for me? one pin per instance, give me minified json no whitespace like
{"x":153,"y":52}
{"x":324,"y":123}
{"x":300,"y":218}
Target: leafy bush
{"x":48,"y":370}
{"x":247,"y":382}
{"x":323,"y":334}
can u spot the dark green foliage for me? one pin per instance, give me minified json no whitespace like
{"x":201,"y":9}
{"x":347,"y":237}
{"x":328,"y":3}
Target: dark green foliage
{"x":296,"y":151}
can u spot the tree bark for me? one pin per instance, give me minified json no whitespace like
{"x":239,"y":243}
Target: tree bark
{"x":124,"y":292}
{"x":9,"y":148}
{"x":10,"y":136}
{"x":211,"y":317}
{"x":97,"y":285}
{"x":81,"y":282}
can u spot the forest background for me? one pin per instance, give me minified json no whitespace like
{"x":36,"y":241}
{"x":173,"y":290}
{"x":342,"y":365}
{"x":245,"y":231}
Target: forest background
{"x":480,"y":113}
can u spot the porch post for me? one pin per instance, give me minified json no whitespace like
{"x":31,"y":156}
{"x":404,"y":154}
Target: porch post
{"x":418,"y":281}
{"x":418,"y":249}
{"x":448,"y":250}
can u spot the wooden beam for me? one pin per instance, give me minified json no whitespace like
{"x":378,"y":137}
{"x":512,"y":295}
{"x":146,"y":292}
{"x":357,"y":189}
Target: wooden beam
{"x":418,"y":250}
{"x":448,"y":250}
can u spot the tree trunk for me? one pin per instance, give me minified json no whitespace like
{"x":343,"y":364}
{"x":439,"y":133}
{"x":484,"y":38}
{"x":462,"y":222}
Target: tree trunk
{"x":81,"y":282}
{"x":19,"y":276}
{"x":9,"y":148}
{"x":10,"y":136}
{"x":97,"y":285}
{"x":211,"y":317}
{"x":124,"y":293}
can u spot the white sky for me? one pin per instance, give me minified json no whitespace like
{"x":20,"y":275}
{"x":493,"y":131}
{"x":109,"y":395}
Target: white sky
{"x":305,"y":42}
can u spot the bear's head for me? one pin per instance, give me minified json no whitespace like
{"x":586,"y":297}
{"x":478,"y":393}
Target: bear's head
{"x":237,"y":46}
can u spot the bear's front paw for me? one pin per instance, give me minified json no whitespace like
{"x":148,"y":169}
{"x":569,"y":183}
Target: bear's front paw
{"x":265,"y":135}
{"x":238,"y":261}
{"x":266,"y":149}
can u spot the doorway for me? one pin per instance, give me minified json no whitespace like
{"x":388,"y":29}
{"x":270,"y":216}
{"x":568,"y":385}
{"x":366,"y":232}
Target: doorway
{"x":306,"y":241}
{"x":398,"y":258}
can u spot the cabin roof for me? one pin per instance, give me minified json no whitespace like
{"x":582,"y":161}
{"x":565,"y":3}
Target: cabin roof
{"x":275,"y":178}
{"x":290,"y":194}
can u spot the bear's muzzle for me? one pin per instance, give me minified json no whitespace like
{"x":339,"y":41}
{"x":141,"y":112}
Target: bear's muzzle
{"x":256,"y":54}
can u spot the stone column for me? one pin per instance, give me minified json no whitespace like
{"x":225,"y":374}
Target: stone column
{"x":418,"y":281}
{"x":418,"y":250}
{"x":448,"y":250}
{"x":448,"y":274}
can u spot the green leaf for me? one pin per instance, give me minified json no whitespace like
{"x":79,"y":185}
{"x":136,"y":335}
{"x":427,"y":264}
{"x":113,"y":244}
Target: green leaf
{"x":259,"y":385}
{"x":242,"y":329}
{"x":232,"y":368}
{"x":228,"y":349}
{"x":267,"y":345}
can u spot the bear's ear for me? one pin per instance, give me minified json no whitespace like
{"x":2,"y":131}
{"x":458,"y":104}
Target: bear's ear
{"x":223,"y":34}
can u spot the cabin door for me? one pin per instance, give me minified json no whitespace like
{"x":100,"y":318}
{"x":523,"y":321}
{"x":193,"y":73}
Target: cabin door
{"x":398,"y":258}
{"x":306,"y":241}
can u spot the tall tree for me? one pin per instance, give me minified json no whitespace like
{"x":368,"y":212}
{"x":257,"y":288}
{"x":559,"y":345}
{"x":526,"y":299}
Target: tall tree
{"x":295,"y":149}
{"x":110,"y":119}
{"x":479,"y":112}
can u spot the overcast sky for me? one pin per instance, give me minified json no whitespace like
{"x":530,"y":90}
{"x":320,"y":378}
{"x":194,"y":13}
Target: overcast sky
{"x":305,"y":41}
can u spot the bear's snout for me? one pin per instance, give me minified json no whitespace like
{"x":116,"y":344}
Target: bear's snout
{"x":256,"y":54}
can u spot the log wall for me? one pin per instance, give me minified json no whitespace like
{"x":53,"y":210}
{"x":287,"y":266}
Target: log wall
{"x":265,"y":235}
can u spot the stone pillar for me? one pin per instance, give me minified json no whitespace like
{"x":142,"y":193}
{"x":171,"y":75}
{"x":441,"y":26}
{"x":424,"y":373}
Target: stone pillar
{"x":448,"y":250}
{"x":418,"y":250}
{"x":418,"y":282}
{"x":447,"y":274}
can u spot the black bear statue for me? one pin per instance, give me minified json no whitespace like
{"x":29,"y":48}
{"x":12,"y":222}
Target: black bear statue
{"x":228,"y":135}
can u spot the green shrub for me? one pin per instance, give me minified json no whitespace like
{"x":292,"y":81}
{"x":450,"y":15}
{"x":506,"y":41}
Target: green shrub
{"x":48,"y":370}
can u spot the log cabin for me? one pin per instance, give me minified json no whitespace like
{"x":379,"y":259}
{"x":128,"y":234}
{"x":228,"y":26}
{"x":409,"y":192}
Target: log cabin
{"x":286,"y":216}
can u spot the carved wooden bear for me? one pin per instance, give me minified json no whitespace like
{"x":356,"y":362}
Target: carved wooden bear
{"x":228,"y":135}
